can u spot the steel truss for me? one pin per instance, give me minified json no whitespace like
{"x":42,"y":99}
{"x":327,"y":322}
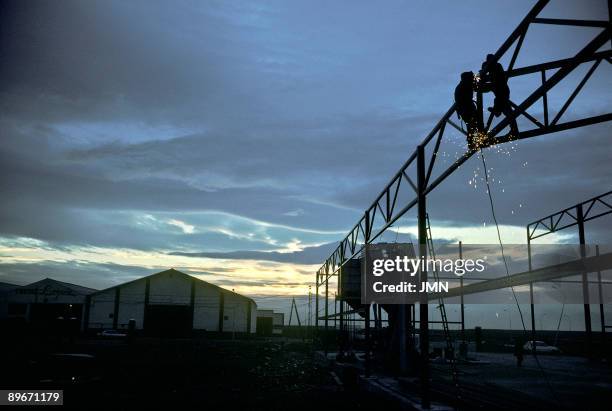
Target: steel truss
{"x":416,"y":179}
{"x":575,"y":215}
{"x":386,"y":210}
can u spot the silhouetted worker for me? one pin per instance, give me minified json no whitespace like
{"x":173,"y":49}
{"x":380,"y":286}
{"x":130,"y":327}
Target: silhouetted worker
{"x":494,"y":78}
{"x":466,"y":108}
{"x":518,"y":352}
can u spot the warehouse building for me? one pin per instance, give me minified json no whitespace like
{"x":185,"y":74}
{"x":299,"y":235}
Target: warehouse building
{"x":45,"y":301}
{"x":171,"y":303}
{"x":269,"y":322}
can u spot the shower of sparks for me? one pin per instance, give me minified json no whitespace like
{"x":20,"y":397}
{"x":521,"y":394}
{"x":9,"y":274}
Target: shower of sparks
{"x":480,"y":140}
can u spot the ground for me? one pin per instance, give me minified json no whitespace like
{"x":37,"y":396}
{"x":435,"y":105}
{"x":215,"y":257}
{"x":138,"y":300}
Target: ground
{"x":250,"y":374}
{"x":275,"y":374}
{"x":561,"y":379}
{"x":560,"y":383}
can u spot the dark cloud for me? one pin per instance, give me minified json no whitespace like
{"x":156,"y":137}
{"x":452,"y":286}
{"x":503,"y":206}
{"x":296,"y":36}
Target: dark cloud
{"x":84,"y":273}
{"x":282,"y":120}
{"x":309,"y":255}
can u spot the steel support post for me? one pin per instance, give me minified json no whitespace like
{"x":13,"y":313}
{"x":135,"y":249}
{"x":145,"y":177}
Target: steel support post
{"x":585,"y":285}
{"x":368,"y":340}
{"x":326,"y":313}
{"x":462,"y":305}
{"x":602,"y":318}
{"x":423,"y":306}
{"x":402,"y":338}
{"x":335,"y":310}
{"x":317,"y":304}
{"x":531,"y":303}
{"x":341,"y":335}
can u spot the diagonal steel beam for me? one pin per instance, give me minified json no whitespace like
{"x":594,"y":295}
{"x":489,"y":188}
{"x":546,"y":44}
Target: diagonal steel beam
{"x":588,"y":50}
{"x":564,"y":66}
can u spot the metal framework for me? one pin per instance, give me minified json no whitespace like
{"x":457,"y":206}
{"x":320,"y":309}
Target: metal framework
{"x":385,"y":208}
{"x":415,"y":179}
{"x":575,"y":215}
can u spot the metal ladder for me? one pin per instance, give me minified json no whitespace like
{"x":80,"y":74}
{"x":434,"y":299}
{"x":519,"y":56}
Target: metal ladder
{"x":447,"y":336}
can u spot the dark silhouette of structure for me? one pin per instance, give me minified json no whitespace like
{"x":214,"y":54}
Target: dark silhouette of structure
{"x":419,"y":175}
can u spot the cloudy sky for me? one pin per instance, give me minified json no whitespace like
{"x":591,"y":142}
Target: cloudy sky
{"x":239,"y":141}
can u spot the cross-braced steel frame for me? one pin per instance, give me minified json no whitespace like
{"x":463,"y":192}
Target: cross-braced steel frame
{"x":416,"y":176}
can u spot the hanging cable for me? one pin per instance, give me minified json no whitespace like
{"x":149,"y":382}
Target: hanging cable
{"x":501,"y":245}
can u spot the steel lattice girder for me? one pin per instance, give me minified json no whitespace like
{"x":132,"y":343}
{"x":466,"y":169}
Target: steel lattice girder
{"x":569,"y":216}
{"x":386,"y":209}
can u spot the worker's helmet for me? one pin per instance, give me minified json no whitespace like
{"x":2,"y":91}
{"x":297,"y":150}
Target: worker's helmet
{"x":490,"y":58}
{"x":467,"y":76}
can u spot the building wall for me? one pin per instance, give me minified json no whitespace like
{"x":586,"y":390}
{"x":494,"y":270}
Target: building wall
{"x":131,"y":304}
{"x":279,"y":319}
{"x":173,"y":289}
{"x":101,"y":309}
{"x":253,"y":318}
{"x":28,"y":301}
{"x":206,"y":308}
{"x":235,"y":313}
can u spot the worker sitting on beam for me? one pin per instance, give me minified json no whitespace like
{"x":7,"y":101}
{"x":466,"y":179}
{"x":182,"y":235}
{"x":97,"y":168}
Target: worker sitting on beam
{"x":493,"y":78}
{"x":465,"y":106}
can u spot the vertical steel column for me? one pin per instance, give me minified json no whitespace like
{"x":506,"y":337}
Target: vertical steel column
{"x":585,"y":285}
{"x":531,"y":303}
{"x":601,"y":304}
{"x":402,"y":340}
{"x":602,"y":318}
{"x":326,"y":310}
{"x":340,"y":331}
{"x":423,"y":307}
{"x":335,"y":310}
{"x":317,"y":303}
{"x":462,"y":305}
{"x":368,"y":340}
